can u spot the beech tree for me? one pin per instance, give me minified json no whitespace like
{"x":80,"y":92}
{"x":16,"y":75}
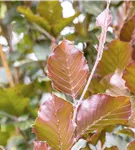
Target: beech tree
{"x":67,"y":83}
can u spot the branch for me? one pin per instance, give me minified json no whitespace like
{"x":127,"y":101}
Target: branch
{"x":5,"y":64}
{"x":99,"y":55}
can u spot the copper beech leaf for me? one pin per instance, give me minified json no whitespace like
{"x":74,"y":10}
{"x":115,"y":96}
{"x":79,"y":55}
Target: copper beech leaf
{"x":39,"y":145}
{"x":67,"y":69}
{"x":131,"y":145}
{"x":102,"y":110}
{"x":129,"y":76}
{"x":54,"y":123}
{"x":111,"y":148}
{"x":116,"y":55}
{"x":127,"y":30}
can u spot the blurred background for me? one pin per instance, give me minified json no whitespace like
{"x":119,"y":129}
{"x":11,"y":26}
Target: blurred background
{"x":29,"y":30}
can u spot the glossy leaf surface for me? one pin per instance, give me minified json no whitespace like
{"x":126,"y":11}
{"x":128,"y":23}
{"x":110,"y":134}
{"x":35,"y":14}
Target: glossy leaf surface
{"x":102,"y":110}
{"x":67,"y":69}
{"x":117,"y":55}
{"x":54,"y":123}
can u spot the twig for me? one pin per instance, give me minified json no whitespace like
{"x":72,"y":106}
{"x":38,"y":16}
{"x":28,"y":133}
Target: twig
{"x":42,"y":67}
{"x":6,"y":66}
{"x":98,"y":58}
{"x":16,"y":74}
{"x":8,"y":115}
{"x":48,"y":35}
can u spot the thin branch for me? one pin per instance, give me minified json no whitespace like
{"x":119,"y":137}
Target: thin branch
{"x":8,"y":115}
{"x":6,"y":66}
{"x":98,"y":58}
{"x":48,"y":35}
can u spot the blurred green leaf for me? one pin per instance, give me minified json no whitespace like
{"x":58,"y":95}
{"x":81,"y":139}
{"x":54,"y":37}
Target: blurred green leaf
{"x":42,"y":50}
{"x":14,"y":100}
{"x":34,"y":18}
{"x":5,"y":132}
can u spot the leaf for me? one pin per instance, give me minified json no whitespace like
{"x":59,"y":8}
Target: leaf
{"x":54,"y":123}
{"x":41,"y":50}
{"x":98,"y":135}
{"x":99,"y":85}
{"x":102,"y":110}
{"x":34,"y":18}
{"x":81,"y":143}
{"x":52,"y":11}
{"x":39,"y":145}
{"x":131,"y":122}
{"x":6,"y":131}
{"x":101,"y":18}
{"x":63,"y":22}
{"x":116,"y":85}
{"x":126,"y":131}
{"x":111,"y":148}
{"x":50,"y":16}
{"x":14,"y":100}
{"x":131,"y":145}
{"x":127,"y":30}
{"x":117,"y":55}
{"x":67,"y":69}
{"x":129,"y":76}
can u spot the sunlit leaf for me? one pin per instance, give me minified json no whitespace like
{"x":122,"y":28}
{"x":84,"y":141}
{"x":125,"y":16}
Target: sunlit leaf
{"x":39,"y":145}
{"x":67,"y":69}
{"x":54,"y":123}
{"x":116,"y":85}
{"x":12,"y":103}
{"x":50,"y":16}
{"x":50,"y":10}
{"x":5,"y":132}
{"x":126,"y":131}
{"x":117,"y":55}
{"x":102,"y":110}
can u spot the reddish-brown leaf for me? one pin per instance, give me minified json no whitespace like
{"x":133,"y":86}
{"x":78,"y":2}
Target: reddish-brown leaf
{"x":131,"y":146}
{"x":54,"y":123}
{"x":67,"y":68}
{"x":111,"y":148}
{"x":102,"y":110}
{"x":127,"y":30}
{"x":39,"y":145}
